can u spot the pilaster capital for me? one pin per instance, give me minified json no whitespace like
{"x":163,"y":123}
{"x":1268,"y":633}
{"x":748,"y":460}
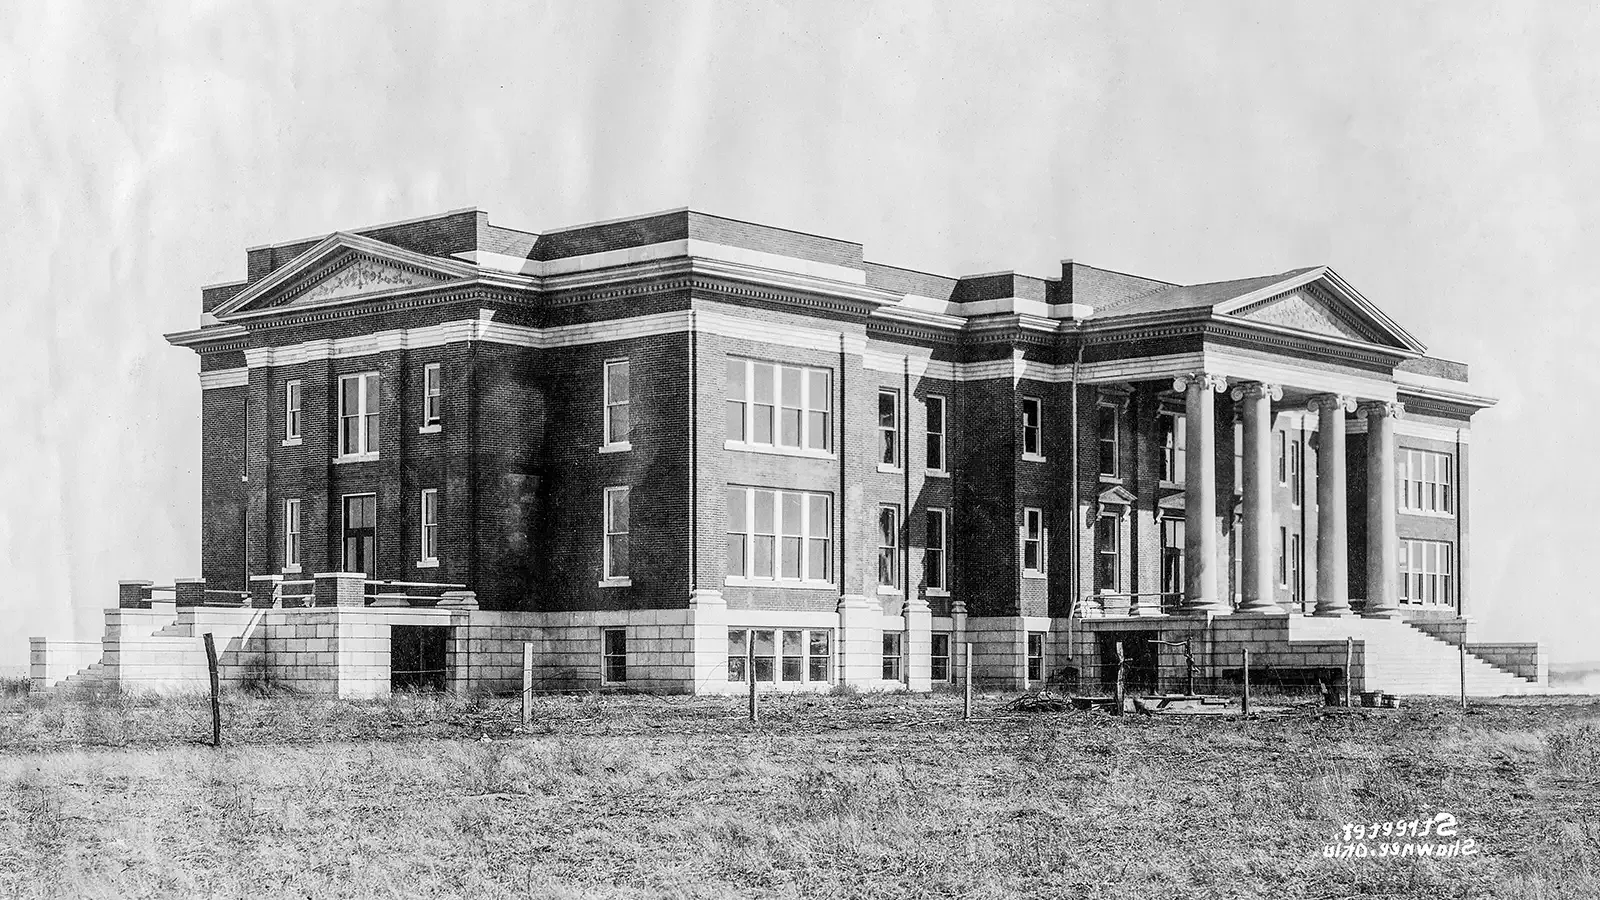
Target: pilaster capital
{"x":1383,"y":409}
{"x":1319,"y":402}
{"x":1206,"y":380}
{"x":1257,"y":389}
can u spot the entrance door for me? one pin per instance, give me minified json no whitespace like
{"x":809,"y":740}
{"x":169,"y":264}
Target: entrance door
{"x":361,"y":534}
{"x":417,"y":657}
{"x":1140,"y":671}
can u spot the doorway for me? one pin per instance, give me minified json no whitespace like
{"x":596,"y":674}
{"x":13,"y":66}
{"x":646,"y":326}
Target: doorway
{"x":1141,"y":672}
{"x":361,"y":534}
{"x":417,"y":657}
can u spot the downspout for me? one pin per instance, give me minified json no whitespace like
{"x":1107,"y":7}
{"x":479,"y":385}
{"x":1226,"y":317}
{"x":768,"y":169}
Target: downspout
{"x":694,"y":453}
{"x":1076,"y":566}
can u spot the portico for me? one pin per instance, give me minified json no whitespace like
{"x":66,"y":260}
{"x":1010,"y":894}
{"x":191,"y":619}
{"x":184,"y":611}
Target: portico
{"x":1254,"y":408}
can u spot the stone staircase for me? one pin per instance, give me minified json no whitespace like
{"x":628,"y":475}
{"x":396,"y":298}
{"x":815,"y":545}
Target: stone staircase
{"x":1401,"y":659}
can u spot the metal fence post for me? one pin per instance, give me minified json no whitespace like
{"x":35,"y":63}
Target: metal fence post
{"x":1463,"y":647}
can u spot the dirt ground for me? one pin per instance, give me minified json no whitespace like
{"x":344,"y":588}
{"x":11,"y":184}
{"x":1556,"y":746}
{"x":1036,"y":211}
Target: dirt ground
{"x":873,"y":796}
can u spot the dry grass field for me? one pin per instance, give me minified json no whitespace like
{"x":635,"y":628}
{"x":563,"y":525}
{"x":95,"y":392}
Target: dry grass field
{"x":828,"y":797}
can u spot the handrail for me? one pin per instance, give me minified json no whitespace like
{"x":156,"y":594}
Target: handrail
{"x":423,"y":584}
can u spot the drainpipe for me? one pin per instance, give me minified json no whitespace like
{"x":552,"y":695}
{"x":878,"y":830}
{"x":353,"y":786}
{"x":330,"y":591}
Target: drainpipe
{"x":1077,"y":529}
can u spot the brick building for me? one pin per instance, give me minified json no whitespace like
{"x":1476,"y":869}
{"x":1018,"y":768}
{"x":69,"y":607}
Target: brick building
{"x":644,"y":444}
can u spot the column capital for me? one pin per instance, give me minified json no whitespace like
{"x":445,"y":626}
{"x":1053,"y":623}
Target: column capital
{"x":1257,"y":389}
{"x":1206,"y":380}
{"x":1382,"y":409}
{"x":1319,"y":402}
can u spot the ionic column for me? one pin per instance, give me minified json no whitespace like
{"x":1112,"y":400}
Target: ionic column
{"x":1200,"y":492}
{"x":1383,"y":551}
{"x":1333,"y":540}
{"x":1257,"y":550}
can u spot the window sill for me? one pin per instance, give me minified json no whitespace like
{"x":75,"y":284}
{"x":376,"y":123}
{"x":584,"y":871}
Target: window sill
{"x":1424,"y":514}
{"x":776,"y":450}
{"x":887,"y":469}
{"x":365,"y":457}
{"x":885,"y":589}
{"x":623,"y":447}
{"x":1170,"y":485}
{"x":291,"y":442}
{"x":936,"y":473}
{"x":430,"y":429}
{"x":1110,"y":479}
{"x":427,"y":563}
{"x":1033,"y":457}
{"x":1029,"y":573}
{"x":291,"y":570}
{"x":937,"y":592}
{"x":623,"y":581}
{"x":737,"y":581}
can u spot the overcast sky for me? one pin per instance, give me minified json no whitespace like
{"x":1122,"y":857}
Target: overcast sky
{"x":1441,"y":157}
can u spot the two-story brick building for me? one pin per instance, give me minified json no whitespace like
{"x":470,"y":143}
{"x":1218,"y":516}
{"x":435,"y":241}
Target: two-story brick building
{"x":663,"y":446}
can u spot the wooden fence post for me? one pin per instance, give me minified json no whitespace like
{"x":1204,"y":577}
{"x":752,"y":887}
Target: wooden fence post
{"x":527,"y":684}
{"x":1121,"y":684}
{"x":216,"y":706}
{"x":750,"y":670}
{"x":1246,"y":707}
{"x":966,"y":686}
{"x":1349,"y":663}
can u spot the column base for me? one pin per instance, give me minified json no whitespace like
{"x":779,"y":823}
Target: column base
{"x":1330,"y":613}
{"x":1381,"y":614}
{"x":1269,"y":610}
{"x":1218,"y":610}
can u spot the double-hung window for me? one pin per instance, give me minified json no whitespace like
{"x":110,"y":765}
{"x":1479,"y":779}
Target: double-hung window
{"x":1107,"y":554}
{"x":1172,"y":531}
{"x":1295,"y":585}
{"x":291,"y":535}
{"x":783,"y":407}
{"x":1033,"y":541}
{"x":894,"y":646}
{"x":617,"y":394}
{"x":936,"y":429}
{"x":1238,"y":457}
{"x":1174,"y":440}
{"x":1032,"y":428}
{"x":1297,"y":484}
{"x":1426,"y":482}
{"x":358,"y":416}
{"x":779,"y":535}
{"x":1106,"y":427}
{"x":790,"y":655}
{"x":1035,"y":656}
{"x":432,"y":397}
{"x":888,"y":428}
{"x":888,"y":547}
{"x":430,"y":528}
{"x":291,"y":411}
{"x":614,"y":656}
{"x":940,"y":663}
{"x":615,"y":551}
{"x":935,"y":559}
{"x":1426,"y":571}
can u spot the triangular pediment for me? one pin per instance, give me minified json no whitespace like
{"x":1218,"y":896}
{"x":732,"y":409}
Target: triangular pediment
{"x":1303,"y":310}
{"x":1318,"y":302}
{"x":344,"y":268}
{"x":358,"y":275}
